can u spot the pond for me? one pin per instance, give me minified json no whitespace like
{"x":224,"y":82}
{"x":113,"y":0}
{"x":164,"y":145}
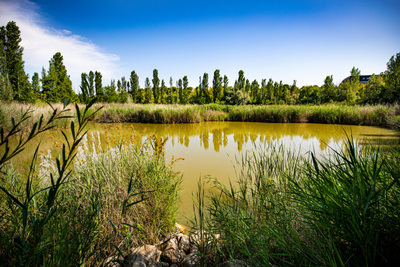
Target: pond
{"x":211,"y":148}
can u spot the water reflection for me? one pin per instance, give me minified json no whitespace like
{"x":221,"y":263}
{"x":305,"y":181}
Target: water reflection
{"x":217,"y":134}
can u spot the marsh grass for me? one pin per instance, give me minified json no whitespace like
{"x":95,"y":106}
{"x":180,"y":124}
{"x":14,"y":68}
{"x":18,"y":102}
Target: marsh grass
{"x":87,"y":203}
{"x":340,"y":209}
{"x":331,"y":114}
{"x":169,"y":114}
{"x":16,"y":110}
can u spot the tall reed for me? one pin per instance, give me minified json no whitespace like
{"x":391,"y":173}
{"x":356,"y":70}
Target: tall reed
{"x":86,"y":204}
{"x":340,"y":209}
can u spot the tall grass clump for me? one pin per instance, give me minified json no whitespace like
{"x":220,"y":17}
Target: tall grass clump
{"x":290,"y":209}
{"x":88,"y":203}
{"x":16,"y":110}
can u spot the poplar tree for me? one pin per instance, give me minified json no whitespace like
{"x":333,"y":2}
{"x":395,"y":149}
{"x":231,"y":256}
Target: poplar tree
{"x":217,"y":82}
{"x":163,"y":92}
{"x":240,"y":81}
{"x":180,"y":88}
{"x":204,"y":86}
{"x":98,"y":84}
{"x":134,"y":86}
{"x":185,"y":90}
{"x":91,"y":84}
{"x":147,"y":95}
{"x":156,"y":86}
{"x":84,"y":88}
{"x":255,"y":88}
{"x":226,"y":82}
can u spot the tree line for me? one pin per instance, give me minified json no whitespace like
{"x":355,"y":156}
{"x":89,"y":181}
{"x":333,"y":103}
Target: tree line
{"x":55,"y":85}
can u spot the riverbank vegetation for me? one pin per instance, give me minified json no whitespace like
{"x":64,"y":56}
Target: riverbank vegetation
{"x":289,"y":209}
{"x":380,"y":115}
{"x":87,"y":203}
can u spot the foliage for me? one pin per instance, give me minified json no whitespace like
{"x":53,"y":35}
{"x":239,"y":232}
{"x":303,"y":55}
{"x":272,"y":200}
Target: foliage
{"x":87,"y":203}
{"x":290,"y":209}
{"x":56,"y":83}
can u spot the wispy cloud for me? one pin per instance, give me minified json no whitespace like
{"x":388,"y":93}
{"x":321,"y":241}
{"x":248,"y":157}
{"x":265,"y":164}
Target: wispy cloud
{"x":41,"y":42}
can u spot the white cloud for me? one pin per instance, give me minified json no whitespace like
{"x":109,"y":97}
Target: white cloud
{"x":41,"y":43}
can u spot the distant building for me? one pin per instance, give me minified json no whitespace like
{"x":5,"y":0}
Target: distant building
{"x":363,"y":79}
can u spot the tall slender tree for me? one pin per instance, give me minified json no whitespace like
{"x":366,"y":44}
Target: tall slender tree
{"x":98,"y":84}
{"x":180,"y":88}
{"x":13,"y":68}
{"x":156,"y":86}
{"x":84,"y":87}
{"x":204,"y":86}
{"x":185,"y":90}
{"x":91,"y":84}
{"x":217,"y":82}
{"x":134,"y":86}
{"x":147,"y":88}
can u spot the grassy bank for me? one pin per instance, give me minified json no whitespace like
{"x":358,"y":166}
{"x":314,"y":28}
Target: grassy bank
{"x":294,"y":210}
{"x":386,"y":116}
{"x":86,"y":204}
{"x":332,"y":114}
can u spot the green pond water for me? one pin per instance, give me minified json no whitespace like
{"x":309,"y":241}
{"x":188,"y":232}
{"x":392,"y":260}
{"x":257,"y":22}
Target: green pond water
{"x":211,"y":148}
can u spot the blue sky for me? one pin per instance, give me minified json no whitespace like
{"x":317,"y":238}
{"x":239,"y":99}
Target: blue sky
{"x":282,"y":40}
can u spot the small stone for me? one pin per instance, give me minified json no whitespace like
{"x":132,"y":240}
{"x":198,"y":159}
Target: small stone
{"x":174,"y":265}
{"x":190,"y":260}
{"x":184,"y":243}
{"x":144,"y":255}
{"x":172,"y":254}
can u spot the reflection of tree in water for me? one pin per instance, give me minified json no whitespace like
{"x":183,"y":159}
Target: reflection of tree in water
{"x":217,"y":139}
{"x":243,"y":132}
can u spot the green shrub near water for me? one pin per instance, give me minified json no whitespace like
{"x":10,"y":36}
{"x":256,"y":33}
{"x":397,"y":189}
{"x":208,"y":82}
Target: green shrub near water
{"x":337,"y":210}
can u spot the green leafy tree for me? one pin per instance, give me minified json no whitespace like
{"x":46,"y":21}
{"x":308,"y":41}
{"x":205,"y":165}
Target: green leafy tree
{"x":13,"y":66}
{"x":204,"y":86}
{"x":98,"y":84}
{"x":255,"y":88}
{"x":353,"y":85}
{"x":147,"y":88}
{"x":56,"y":84}
{"x":186,"y":91}
{"x":217,"y":87}
{"x":180,"y":88}
{"x":163,"y":92}
{"x":156,"y":86}
{"x":270,"y":97}
{"x":35,"y":83}
{"x":91,"y":84}
{"x":374,"y":89}
{"x":134,"y":86}
{"x":392,"y":80}
{"x":5,"y":86}
{"x":84,"y":88}
{"x":240,"y":84}
{"x":110,"y":94}
{"x":328,"y":90}
{"x":226,"y":84}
